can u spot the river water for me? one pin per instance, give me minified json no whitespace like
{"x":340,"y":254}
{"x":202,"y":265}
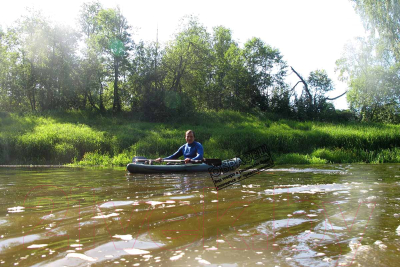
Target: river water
{"x":329,"y":215}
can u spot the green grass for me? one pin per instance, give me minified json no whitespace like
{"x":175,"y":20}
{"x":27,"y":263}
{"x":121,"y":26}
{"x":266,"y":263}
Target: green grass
{"x":89,"y":139}
{"x":296,"y":158}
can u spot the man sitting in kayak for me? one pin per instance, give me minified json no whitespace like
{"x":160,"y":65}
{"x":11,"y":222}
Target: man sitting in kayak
{"x":192,"y":150}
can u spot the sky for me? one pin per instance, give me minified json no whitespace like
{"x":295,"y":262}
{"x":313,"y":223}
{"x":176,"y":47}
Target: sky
{"x":310,"y":34}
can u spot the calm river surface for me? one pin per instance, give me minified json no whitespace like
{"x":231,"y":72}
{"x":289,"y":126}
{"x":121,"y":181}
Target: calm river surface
{"x":330,"y":215}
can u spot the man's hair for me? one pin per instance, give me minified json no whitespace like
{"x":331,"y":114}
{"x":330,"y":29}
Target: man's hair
{"x":190,"y":131}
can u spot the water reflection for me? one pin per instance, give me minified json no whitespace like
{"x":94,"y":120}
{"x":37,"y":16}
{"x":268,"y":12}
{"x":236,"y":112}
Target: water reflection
{"x":331,"y":215}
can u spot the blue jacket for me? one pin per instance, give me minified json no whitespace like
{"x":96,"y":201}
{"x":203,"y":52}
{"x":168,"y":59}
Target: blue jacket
{"x":192,"y":151}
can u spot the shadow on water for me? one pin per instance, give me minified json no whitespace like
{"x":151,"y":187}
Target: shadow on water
{"x":328,"y":215}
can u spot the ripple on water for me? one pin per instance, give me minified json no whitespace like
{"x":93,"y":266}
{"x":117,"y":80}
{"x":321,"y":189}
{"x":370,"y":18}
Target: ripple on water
{"x":80,"y":256}
{"x":270,"y":227}
{"x":306,"y":189}
{"x":124,"y":237}
{"x":16,"y":209}
{"x":312,"y":170}
{"x":38,"y":246}
{"x":182,"y":197}
{"x":112,"y":204}
{"x":102,"y":216}
{"x":116,"y":249}
{"x":136,"y":251}
{"x":4,"y":243}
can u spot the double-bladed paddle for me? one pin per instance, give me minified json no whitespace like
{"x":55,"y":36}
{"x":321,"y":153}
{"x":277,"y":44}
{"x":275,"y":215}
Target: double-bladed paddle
{"x":214,"y":162}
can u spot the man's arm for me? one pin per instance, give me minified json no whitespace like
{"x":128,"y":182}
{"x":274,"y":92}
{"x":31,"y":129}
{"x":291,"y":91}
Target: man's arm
{"x":177,"y":154}
{"x":200,"y":152}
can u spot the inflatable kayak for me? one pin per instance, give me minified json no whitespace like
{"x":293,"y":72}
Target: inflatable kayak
{"x":146,"y":168}
{"x":140,"y":167}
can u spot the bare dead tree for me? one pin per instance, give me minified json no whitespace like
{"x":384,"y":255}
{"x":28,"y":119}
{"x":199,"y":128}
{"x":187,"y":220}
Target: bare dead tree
{"x":308,"y":91}
{"x":304,"y":83}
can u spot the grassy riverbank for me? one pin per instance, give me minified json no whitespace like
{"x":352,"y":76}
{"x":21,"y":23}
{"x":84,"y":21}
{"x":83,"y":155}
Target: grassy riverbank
{"x":87,"y":139}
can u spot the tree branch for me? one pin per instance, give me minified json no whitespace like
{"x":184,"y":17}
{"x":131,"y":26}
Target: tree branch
{"x":305,"y":85}
{"x":290,"y":89}
{"x":295,"y":86}
{"x":334,"y":98}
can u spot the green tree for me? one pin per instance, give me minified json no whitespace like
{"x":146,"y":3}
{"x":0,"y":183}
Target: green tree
{"x":116,"y":43}
{"x":5,"y":57}
{"x":383,"y":16}
{"x":319,"y":85}
{"x":29,"y":39}
{"x":92,"y":70}
{"x":267,"y":71}
{"x":57,"y":74}
{"x":187,"y":62}
{"x":88,"y":18}
{"x":146,"y":81}
{"x":39,"y":62}
{"x":372,"y":76}
{"x":221,"y":89}
{"x":281,"y":102}
{"x":236,"y":79}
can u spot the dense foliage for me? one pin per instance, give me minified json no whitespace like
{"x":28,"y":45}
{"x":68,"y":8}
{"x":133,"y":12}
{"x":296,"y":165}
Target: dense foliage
{"x":91,"y":139}
{"x":371,"y":65}
{"x":100,"y":67}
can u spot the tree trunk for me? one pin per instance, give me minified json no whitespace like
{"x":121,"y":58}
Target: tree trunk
{"x":177,"y":76}
{"x":32,"y":87}
{"x":101,"y":104}
{"x":117,"y":103}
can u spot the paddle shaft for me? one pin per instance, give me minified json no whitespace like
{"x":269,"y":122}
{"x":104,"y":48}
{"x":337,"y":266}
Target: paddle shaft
{"x":171,"y":160}
{"x":208,"y":161}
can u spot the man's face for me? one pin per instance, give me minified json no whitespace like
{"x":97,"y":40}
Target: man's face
{"x":189,"y":137}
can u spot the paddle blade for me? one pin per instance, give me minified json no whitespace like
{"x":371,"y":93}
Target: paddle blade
{"x":214,"y":162}
{"x":138,"y":158}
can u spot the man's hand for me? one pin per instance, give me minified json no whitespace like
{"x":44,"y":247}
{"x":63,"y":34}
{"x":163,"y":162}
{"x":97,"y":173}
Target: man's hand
{"x":159,"y":160}
{"x":187,"y":160}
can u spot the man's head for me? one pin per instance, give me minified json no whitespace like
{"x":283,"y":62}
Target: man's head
{"x":189,"y":136}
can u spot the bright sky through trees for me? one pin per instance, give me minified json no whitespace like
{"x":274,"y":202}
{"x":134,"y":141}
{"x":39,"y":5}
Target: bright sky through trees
{"x":310,"y":34}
